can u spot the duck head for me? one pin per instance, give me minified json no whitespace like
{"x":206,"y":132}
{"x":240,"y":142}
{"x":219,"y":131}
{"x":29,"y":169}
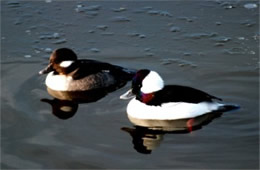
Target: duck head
{"x":61,"y":61}
{"x":145,"y":81}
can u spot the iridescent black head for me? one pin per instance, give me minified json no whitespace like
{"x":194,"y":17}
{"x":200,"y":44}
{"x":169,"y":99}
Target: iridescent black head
{"x":138,"y":79}
{"x":144,"y":83}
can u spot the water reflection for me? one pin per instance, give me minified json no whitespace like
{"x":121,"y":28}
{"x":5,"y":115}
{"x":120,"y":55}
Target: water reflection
{"x":148,"y":134}
{"x":63,"y":109}
{"x":65,"y":103}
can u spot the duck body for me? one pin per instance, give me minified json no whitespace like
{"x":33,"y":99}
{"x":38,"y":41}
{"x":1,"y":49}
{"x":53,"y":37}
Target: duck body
{"x":155,"y":101}
{"x":170,"y":110}
{"x":67,"y":73}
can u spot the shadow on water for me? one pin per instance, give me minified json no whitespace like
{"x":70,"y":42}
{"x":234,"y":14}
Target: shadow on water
{"x":147,"y":135}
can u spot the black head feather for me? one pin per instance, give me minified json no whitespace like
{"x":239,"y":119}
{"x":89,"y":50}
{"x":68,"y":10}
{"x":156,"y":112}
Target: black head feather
{"x":137,"y":80}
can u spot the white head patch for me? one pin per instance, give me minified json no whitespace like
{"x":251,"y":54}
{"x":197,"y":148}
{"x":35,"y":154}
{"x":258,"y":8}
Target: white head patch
{"x":66,"y":63}
{"x":152,"y":82}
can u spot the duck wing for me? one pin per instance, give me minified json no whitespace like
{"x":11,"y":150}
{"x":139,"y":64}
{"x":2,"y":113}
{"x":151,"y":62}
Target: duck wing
{"x":176,"y":93}
{"x":88,"y":67}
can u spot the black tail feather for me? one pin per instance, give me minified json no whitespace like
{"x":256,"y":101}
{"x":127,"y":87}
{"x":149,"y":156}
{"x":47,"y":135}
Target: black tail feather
{"x":228,"y":107}
{"x":125,"y":73}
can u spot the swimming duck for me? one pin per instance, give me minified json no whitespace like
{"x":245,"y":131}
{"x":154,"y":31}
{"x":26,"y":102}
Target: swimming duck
{"x":67,"y":73}
{"x":156,"y":101}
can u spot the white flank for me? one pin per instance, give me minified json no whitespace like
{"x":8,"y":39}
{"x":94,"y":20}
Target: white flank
{"x":170,"y":111}
{"x":58,"y":82}
{"x":152,"y":82}
{"x":66,"y":63}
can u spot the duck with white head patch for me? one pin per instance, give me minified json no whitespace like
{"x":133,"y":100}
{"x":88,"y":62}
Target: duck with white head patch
{"x":156,"y":101}
{"x":67,"y":73}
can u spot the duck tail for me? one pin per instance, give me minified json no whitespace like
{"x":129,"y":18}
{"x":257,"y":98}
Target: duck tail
{"x":130,"y":72}
{"x":228,"y":107}
{"x":126,"y":74}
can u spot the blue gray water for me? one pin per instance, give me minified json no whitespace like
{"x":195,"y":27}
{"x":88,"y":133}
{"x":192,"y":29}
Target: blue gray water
{"x":210,"y":45}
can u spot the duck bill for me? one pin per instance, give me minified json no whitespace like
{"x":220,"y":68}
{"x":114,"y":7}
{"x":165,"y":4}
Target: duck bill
{"x":46,"y":69}
{"x":128,"y":95}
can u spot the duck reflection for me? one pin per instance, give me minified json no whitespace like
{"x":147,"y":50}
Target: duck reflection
{"x":63,"y":109}
{"x":65,"y":103}
{"x":148,"y":134}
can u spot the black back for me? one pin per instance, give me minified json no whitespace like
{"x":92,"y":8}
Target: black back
{"x":175,"y":93}
{"x":88,"y":67}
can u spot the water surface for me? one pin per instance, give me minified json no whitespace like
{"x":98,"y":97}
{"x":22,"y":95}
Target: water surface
{"x":212,"y":45}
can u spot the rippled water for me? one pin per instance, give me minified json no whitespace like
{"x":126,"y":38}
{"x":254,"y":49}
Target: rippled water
{"x":213,"y":46}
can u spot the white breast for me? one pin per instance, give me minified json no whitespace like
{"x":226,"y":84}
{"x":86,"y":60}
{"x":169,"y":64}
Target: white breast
{"x":58,"y":82}
{"x":170,"y":111}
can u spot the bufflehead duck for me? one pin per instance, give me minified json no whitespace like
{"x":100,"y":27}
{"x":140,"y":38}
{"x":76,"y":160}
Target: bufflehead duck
{"x":67,"y":73}
{"x":156,"y":101}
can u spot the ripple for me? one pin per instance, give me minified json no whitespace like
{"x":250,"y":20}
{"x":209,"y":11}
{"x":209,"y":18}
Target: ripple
{"x":95,"y":50}
{"x":147,"y":8}
{"x":256,"y":36}
{"x":48,"y":50}
{"x":49,"y":36}
{"x":16,"y":162}
{"x":93,"y":8}
{"x":218,"y":23}
{"x":91,"y":13}
{"x":28,"y":32}
{"x":159,"y":12}
{"x":121,"y":9}
{"x":248,"y":23}
{"x":175,"y":29}
{"x":18,"y":22}
{"x":180,"y":62}
{"x":252,"y":52}
{"x":219,"y":44}
{"x":228,"y":5}
{"x":188,"y":19}
{"x":139,"y":11}
{"x":102,"y":27}
{"x":149,"y":54}
{"x":166,"y":13}
{"x":147,"y":49}
{"x":235,"y":51}
{"x":27,"y":56}
{"x":107,"y":33}
{"x":13,"y":4}
{"x":241,"y":38}
{"x":201,"y":35}
{"x":82,"y":8}
{"x":60,"y":41}
{"x":137,"y":35}
{"x":187,"y":54}
{"x":120,"y":19}
{"x":250,"y":6}
{"x":221,"y":39}
{"x":153,"y":12}
{"x":142,"y":36}
{"x":38,"y":50}
{"x":133,"y":34}
{"x":91,"y":31}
